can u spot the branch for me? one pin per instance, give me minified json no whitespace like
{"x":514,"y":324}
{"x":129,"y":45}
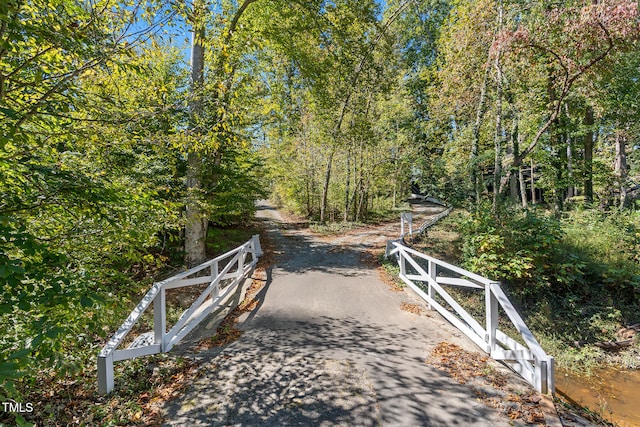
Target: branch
{"x":565,"y":91}
{"x":34,"y":108}
{"x":364,"y":58}
{"x":566,"y":87}
{"x":236,"y":18}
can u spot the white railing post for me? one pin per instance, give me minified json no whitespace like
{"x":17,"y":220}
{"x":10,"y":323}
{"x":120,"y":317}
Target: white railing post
{"x":243,"y":255}
{"x":215,"y":292}
{"x":491,"y":308}
{"x":105,"y":374}
{"x":255,"y":242}
{"x":406,"y":217}
{"x":389,"y":248}
{"x":433,"y":273}
{"x":544,"y":375}
{"x":410,"y":219}
{"x":403,"y":265}
{"x":159,"y":318}
{"x":540,"y":376}
{"x":551,"y":380}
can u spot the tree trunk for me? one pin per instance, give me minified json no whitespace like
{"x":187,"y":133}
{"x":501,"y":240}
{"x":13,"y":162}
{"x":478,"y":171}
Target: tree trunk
{"x":475,"y":142}
{"x":554,"y":139}
{"x":499,"y":131}
{"x":523,"y":188}
{"x":512,"y":151}
{"x":559,"y":163}
{"x":346,"y":187}
{"x":325,"y":187}
{"x":307,"y":174}
{"x":571,"y":191}
{"x":588,"y":155}
{"x":620,"y":167}
{"x":196,"y":220}
{"x":533,"y":185}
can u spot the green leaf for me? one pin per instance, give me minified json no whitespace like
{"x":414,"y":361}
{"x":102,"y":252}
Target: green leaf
{"x":19,"y":354}
{"x":9,"y":113}
{"x":85,"y":301}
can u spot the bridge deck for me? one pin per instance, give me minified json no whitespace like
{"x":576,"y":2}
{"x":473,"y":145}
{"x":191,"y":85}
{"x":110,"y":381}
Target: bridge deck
{"x":329,"y":345}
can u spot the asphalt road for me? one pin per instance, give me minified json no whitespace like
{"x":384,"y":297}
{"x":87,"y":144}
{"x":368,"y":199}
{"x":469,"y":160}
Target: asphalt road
{"x":328,"y":344}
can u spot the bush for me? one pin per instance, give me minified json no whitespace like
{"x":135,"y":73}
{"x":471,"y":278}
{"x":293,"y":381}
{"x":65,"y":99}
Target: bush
{"x":575,"y":279}
{"x":608,"y":248}
{"x":511,"y":244}
{"x":578,"y":255}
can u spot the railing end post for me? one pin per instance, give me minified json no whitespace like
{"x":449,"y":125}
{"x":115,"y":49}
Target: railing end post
{"x":159,"y":318}
{"x":256,"y":245}
{"x":541,"y":375}
{"x":551,"y":376}
{"x":105,"y":374}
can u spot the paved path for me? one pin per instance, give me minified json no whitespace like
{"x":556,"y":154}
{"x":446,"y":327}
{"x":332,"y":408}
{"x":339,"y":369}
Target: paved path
{"x":329,"y":345}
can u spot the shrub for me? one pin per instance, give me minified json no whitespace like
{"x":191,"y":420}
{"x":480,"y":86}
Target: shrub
{"x":511,"y":244}
{"x":608,"y":248}
{"x":582,"y":252}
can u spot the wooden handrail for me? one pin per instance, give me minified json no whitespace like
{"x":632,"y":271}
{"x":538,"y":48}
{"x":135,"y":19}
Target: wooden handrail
{"x":528,"y":360}
{"x":163,"y":341}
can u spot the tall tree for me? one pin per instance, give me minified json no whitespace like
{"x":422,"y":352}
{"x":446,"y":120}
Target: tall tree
{"x":206,"y":126}
{"x":572,"y":41}
{"x":195,"y":244}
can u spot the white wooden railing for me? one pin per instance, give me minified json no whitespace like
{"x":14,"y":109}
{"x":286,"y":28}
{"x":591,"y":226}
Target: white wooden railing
{"x":406,"y":218}
{"x":233,"y":266}
{"x":427,"y":276}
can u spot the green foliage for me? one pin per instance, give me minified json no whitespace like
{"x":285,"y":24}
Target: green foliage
{"x":344,"y":121}
{"x":43,"y":306}
{"x":606,"y":248}
{"x":573,"y":254}
{"x":92,"y":173}
{"x":512,"y":244}
{"x":85,"y":184}
{"x":239,"y":179}
{"x":220,"y":240}
{"x":576,"y":278}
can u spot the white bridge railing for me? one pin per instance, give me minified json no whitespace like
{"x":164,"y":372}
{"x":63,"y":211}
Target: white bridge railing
{"x":222,"y":275}
{"x":427,"y":276}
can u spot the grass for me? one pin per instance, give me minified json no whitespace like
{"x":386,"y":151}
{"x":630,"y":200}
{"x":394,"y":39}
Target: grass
{"x":377,"y":216}
{"x":334,"y":228}
{"x":442,"y":240}
{"x":221,"y":240}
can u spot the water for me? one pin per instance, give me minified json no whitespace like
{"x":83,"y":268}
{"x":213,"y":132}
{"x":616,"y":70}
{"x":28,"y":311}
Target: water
{"x":611,"y":393}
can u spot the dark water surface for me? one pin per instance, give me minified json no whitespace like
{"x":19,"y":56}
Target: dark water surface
{"x":613,"y":394}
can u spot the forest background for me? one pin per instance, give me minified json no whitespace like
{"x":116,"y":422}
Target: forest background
{"x":120,"y":160}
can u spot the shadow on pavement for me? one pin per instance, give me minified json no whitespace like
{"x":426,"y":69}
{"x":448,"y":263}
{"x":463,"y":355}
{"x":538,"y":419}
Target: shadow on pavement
{"x":324,"y":371}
